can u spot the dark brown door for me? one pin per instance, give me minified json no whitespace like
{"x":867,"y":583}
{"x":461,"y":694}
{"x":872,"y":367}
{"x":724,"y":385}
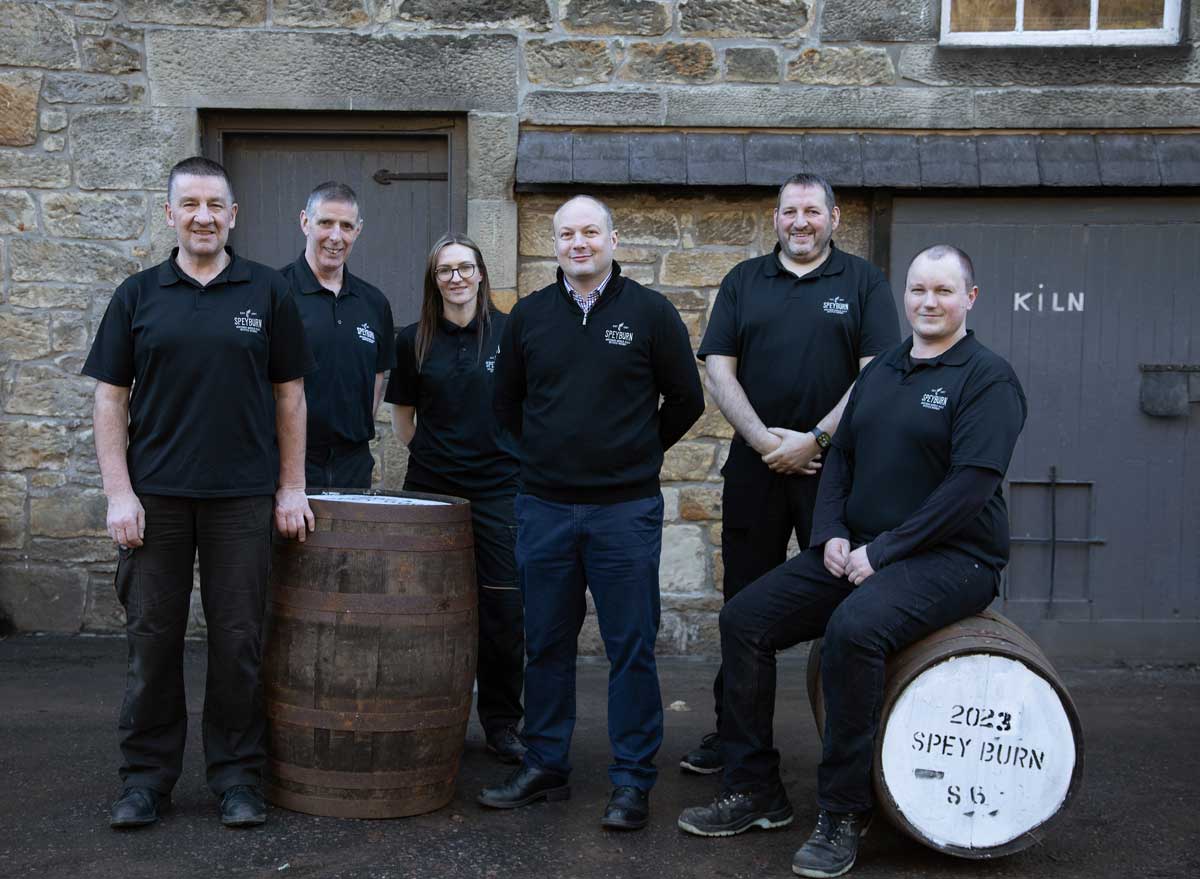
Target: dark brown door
{"x":409,"y":185}
{"x":1080,"y":294}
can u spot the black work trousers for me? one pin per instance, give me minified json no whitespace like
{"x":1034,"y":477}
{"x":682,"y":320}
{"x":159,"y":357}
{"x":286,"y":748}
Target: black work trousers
{"x":799,"y":601}
{"x":760,"y":511}
{"x":342,"y":465}
{"x":154,"y":584}
{"x":500,"y":673}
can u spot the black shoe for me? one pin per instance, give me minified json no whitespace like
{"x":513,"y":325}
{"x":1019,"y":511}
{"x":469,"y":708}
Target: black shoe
{"x":733,"y":812}
{"x":506,"y":745}
{"x":833,"y":846}
{"x":137,"y":807}
{"x":243,"y":806}
{"x":628,"y":809}
{"x":706,"y":759}
{"x":525,"y":785}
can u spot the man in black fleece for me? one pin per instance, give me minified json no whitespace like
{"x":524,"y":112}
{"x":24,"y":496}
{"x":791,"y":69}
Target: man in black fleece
{"x":910,"y":534}
{"x":582,"y":367}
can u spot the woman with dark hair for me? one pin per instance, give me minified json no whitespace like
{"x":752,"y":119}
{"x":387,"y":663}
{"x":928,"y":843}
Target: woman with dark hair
{"x":441,"y":396}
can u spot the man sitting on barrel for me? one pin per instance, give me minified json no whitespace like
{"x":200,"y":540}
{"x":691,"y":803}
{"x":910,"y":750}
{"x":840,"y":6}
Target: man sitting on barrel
{"x":910,"y":534}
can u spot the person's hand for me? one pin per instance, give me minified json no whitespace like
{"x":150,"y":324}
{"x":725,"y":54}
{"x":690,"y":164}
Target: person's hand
{"x":858,"y":566}
{"x":797,"y":454}
{"x":837,"y":552}
{"x":126,"y":520}
{"x":765,"y":443}
{"x":293,"y":517}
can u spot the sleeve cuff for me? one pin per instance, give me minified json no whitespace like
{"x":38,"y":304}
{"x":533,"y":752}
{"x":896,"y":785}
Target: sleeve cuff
{"x":826,"y":533}
{"x":877,"y":553}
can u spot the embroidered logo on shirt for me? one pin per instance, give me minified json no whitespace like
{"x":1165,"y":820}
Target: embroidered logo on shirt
{"x":836,"y":305}
{"x":366,"y":333}
{"x":620,"y":334}
{"x":935,"y":399}
{"x":490,"y":363}
{"x":248,"y":322}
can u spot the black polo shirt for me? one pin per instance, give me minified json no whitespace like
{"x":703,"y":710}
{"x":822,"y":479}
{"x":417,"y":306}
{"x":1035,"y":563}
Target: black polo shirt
{"x":798,"y":340}
{"x":353,"y":339}
{"x":909,"y":421}
{"x":201,"y":361}
{"x":459,"y":445}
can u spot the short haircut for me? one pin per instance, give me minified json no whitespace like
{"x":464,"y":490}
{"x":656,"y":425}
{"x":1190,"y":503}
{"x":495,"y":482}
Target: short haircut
{"x":197,"y":166}
{"x":941,"y":251}
{"x":608,"y":217}
{"x":330,"y":190}
{"x":809,"y":180}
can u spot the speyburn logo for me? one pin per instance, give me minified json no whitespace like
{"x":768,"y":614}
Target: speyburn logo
{"x":620,"y":334}
{"x":836,"y":305}
{"x":490,"y":363}
{"x":248,"y":322}
{"x":366,"y":333}
{"x":935,"y":399}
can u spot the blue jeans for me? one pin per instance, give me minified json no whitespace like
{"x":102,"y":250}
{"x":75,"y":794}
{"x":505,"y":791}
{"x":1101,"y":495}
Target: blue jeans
{"x":800,"y":601}
{"x":613,"y":550}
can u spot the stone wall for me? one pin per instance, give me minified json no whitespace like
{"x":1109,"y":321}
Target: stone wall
{"x":99,"y":98}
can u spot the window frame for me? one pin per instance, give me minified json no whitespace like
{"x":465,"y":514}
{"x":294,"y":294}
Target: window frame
{"x":1169,"y":35}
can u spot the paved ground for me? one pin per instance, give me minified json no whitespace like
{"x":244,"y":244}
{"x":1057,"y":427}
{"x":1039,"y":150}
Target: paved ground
{"x":59,"y":698}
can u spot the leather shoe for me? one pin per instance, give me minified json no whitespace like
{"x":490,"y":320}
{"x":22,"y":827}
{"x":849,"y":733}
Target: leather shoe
{"x":243,"y":806}
{"x":506,"y":745}
{"x":527,"y":784}
{"x":628,"y":809}
{"x":137,"y":807}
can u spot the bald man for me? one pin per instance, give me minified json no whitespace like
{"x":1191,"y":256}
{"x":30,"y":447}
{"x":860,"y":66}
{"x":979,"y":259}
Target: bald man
{"x":910,"y":534}
{"x":582,"y":367}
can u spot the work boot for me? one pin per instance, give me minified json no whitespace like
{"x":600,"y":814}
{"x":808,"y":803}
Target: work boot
{"x":833,"y":846}
{"x":734,"y":811}
{"x":706,"y":759}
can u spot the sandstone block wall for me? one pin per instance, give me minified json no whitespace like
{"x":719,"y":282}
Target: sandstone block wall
{"x":98,"y":98}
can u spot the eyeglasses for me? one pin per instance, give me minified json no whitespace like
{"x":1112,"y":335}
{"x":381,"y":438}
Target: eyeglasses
{"x":466,"y":271}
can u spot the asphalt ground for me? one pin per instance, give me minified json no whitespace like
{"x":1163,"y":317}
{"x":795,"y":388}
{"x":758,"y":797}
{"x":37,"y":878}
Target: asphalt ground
{"x":59,"y":697}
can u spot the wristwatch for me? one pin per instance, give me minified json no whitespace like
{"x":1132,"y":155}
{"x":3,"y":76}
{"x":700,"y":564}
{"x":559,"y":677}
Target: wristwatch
{"x":823,"y":439}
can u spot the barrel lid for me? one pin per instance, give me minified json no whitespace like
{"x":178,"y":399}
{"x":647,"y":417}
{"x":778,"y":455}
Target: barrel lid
{"x":378,"y":499}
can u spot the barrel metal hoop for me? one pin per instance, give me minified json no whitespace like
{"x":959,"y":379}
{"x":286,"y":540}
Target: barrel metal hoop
{"x":436,"y":774}
{"x":332,"y":807}
{"x":356,"y":721}
{"x":344,"y":602}
{"x":379,"y":542}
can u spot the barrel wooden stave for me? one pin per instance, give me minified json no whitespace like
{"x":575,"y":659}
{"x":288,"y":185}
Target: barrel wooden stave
{"x":370,"y":660}
{"x":986,"y":633}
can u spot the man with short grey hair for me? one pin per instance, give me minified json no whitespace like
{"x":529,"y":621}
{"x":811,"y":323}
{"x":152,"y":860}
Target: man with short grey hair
{"x":349,"y":325}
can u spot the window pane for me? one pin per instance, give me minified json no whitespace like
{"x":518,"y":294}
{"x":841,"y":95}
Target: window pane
{"x":1057,"y":15}
{"x":983,"y":15}
{"x":1131,"y":14}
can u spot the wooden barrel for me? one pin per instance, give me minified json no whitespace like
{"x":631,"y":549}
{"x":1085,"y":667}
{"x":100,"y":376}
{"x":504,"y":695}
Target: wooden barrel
{"x":370,"y":656}
{"x":979,"y":745}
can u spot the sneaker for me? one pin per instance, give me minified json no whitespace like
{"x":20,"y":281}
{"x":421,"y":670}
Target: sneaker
{"x":833,"y":846}
{"x":243,"y":806}
{"x":733,"y":812}
{"x":706,"y":759}
{"x":506,"y":745}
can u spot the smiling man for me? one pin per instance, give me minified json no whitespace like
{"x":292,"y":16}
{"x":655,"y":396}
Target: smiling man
{"x":199,"y":424}
{"x":582,"y":368}
{"x":910,"y":534}
{"x":788,"y":334}
{"x":349,"y":324}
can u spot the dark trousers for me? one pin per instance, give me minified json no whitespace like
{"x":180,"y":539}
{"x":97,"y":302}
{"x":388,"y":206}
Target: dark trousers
{"x":760,"y":511}
{"x":154,"y":584}
{"x":342,"y":465}
{"x":613,"y":550}
{"x":800,"y":601}
{"x":500,"y":672}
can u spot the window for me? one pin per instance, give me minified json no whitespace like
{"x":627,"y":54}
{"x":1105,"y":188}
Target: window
{"x":1060,"y":22}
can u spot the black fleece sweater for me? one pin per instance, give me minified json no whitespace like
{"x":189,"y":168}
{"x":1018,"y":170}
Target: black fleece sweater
{"x":582,"y":394}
